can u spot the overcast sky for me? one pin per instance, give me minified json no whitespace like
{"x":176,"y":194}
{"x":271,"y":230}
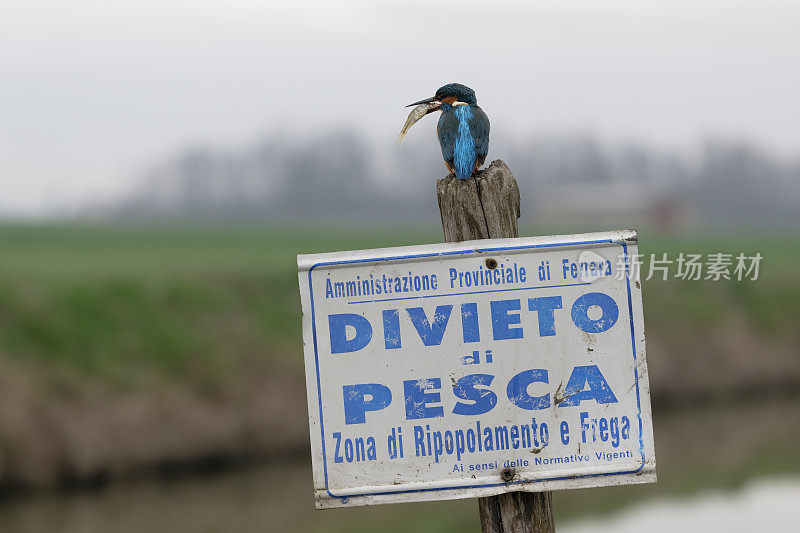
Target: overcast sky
{"x":93,"y":92}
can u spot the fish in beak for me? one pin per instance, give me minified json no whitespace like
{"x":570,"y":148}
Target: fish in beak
{"x":423,"y":107}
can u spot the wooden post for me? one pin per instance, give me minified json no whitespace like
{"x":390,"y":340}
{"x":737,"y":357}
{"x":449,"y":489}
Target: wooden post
{"x":487,"y":206}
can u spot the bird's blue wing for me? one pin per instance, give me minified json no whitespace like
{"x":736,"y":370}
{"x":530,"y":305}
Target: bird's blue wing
{"x":479,"y":129}
{"x":447,"y":130}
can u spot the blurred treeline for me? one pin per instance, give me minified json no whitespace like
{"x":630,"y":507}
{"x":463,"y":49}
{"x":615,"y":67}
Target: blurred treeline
{"x":340,"y":173}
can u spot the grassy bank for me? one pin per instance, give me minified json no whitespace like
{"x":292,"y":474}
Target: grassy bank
{"x":199,"y":303}
{"x":184,"y":302}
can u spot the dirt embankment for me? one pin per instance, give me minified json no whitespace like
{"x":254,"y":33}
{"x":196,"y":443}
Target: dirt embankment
{"x":729,"y":363}
{"x":95,"y":434}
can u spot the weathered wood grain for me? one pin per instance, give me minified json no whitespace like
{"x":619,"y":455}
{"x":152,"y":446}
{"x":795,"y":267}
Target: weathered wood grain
{"x":517,"y":512}
{"x":487,"y":206}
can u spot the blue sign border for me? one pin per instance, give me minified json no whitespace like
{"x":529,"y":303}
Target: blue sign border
{"x":461,"y":252}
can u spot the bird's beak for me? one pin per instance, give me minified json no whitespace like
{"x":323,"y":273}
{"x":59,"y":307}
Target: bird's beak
{"x":425,"y":101}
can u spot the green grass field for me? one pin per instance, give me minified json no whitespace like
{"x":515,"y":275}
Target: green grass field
{"x":201,"y":303}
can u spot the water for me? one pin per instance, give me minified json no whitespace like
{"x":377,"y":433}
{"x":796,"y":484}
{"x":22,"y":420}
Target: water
{"x":762,"y":505}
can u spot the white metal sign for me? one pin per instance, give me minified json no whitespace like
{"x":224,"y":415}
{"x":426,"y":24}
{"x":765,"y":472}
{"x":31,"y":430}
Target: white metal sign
{"x":471,"y":369}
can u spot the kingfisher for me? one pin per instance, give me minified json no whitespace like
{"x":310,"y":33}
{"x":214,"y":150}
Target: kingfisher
{"x":463,"y":128}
